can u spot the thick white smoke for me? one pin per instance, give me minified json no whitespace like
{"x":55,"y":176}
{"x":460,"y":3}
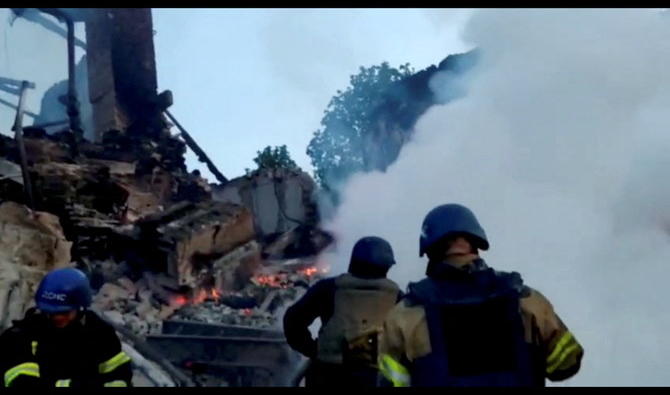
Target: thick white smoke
{"x":562,"y":149}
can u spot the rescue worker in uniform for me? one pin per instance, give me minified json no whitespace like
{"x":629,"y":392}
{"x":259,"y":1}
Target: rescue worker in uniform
{"x":352,"y":308}
{"x":62,"y":344}
{"x":469,"y":325}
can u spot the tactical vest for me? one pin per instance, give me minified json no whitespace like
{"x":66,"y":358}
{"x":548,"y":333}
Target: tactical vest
{"x":351,"y":335}
{"x":476,"y":332}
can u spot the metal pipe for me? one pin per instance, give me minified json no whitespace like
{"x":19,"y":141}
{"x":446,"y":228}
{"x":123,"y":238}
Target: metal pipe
{"x":33,"y":15}
{"x":197,"y":150}
{"x":17,"y":83}
{"x":18,"y":130}
{"x":73,"y":105}
{"x":15,"y":107}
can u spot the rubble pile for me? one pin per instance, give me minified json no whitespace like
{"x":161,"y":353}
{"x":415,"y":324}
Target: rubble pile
{"x":146,"y":231}
{"x":143,"y":305}
{"x":259,"y":304}
{"x":153,"y":242}
{"x":32,"y":243}
{"x":95,"y":188}
{"x":157,"y":242}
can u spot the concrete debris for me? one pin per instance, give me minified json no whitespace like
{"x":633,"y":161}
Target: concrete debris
{"x":156,"y":241}
{"x":145,"y":372}
{"x":128,"y":285}
{"x":109,"y":295}
{"x":115,"y":316}
{"x":132,"y":305}
{"x":141,"y":306}
{"x":280,"y":199}
{"x":32,"y":243}
{"x":188,"y":237}
{"x":233,"y":270}
{"x":215,"y":313}
{"x":10,"y":171}
{"x":32,"y":238}
{"x":300,"y":241}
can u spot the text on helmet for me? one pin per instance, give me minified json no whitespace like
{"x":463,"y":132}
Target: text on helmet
{"x":53,"y":296}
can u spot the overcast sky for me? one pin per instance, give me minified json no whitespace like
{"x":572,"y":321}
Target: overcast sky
{"x":560,"y":145}
{"x":243,"y":79}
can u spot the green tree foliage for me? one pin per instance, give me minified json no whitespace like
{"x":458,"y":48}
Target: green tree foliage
{"x":275,"y":158}
{"x":337,"y":148}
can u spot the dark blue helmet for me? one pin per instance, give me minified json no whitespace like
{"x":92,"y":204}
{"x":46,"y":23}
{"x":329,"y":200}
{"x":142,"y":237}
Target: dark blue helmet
{"x":372,"y":252}
{"x":63,"y":290}
{"x":448,"y":219}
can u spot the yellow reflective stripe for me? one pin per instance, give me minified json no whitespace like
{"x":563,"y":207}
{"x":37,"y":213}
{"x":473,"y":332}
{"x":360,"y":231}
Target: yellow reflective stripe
{"x":63,"y":383}
{"x":394,"y":371}
{"x":28,"y":368}
{"x":33,"y":345}
{"x":116,"y":383}
{"x":565,"y":347}
{"x":562,"y":342}
{"x":113,"y":363}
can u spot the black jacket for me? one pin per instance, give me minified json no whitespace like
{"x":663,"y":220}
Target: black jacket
{"x":87,"y":353}
{"x":317,"y":302}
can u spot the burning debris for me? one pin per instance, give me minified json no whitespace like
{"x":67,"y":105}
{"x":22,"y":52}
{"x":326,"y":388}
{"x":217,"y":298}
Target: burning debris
{"x":256,"y":305}
{"x":154,"y":241}
{"x":153,"y":251}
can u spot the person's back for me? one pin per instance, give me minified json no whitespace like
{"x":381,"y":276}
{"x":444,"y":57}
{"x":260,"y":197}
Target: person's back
{"x":469,"y":325}
{"x":352,"y":308}
{"x":61,"y":344}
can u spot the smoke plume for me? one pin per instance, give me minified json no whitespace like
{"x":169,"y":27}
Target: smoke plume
{"x":561,"y":148}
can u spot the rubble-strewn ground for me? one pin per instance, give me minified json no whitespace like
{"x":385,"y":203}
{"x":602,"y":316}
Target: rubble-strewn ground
{"x":149,"y":236}
{"x":142,"y":305}
{"x":154,"y":241}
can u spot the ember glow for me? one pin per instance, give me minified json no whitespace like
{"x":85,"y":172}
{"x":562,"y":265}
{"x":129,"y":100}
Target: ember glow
{"x":206,"y":294}
{"x":283,"y":279}
{"x":198,"y":297}
{"x":181,"y":300}
{"x":309,"y":272}
{"x":272,"y":280}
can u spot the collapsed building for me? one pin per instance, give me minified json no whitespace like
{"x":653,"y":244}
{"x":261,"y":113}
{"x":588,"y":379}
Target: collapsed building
{"x":194,"y":276}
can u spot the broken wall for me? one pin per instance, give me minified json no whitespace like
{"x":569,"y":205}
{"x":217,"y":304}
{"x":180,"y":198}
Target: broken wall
{"x":122,"y":68}
{"x":279,"y":199}
{"x":189,"y":237}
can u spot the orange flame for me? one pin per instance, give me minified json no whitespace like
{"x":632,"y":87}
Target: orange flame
{"x":309,"y":272}
{"x":199,"y":297}
{"x":274,"y":281}
{"x":180,"y":300}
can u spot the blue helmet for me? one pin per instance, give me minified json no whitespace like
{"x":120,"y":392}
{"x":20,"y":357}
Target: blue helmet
{"x":63,"y":290}
{"x":448,"y":219}
{"x":372,"y":251}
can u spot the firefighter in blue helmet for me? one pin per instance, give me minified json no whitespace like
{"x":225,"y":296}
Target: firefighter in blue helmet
{"x":352,"y":308}
{"x":61,"y":343}
{"x":469,"y":325}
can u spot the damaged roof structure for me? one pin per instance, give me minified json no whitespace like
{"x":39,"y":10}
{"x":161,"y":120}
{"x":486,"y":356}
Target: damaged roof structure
{"x":181,"y":267}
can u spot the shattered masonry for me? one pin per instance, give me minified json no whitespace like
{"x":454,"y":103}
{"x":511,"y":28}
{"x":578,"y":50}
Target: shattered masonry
{"x":169,"y":255}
